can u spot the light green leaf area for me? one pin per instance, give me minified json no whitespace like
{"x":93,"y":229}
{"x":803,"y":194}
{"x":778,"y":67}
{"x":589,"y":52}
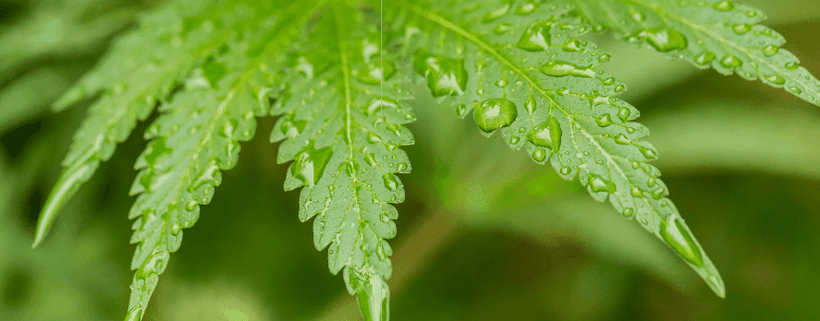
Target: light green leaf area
{"x":523,"y":72}
{"x":140,"y":70}
{"x":343,"y":137}
{"x":197,"y":136}
{"x":719,"y":34}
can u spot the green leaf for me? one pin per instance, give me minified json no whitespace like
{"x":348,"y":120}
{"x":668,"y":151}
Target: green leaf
{"x":343,"y":137}
{"x":141,"y":69}
{"x":719,"y":34}
{"x":198,"y":136}
{"x":522,"y":70}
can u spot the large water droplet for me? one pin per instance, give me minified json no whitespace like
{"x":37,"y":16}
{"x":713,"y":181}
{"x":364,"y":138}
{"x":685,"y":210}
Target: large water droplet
{"x":705,"y":58}
{"x":495,"y":113}
{"x":537,"y":37}
{"x":445,"y":76}
{"x":495,"y":14}
{"x":724,"y":6}
{"x":663,"y":40}
{"x":730,"y":61}
{"x":560,"y":68}
{"x":546,"y":134}
{"x":375,"y":73}
{"x":599,"y":184}
{"x":679,"y":238}
{"x":539,"y":154}
{"x":310,"y":164}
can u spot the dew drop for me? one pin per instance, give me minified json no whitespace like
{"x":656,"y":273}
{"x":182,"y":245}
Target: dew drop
{"x":679,"y":238}
{"x":390,"y":182}
{"x":565,"y":170}
{"x":663,"y":40}
{"x":724,"y":6}
{"x":445,"y":76}
{"x":546,"y":134}
{"x":502,"y":28}
{"x":530,"y":104}
{"x":495,"y":113}
{"x":526,"y":8}
{"x":705,"y":58}
{"x":536,"y":37}
{"x":741,"y":28}
{"x":495,"y":14}
{"x":770,"y":50}
{"x":374,"y":74}
{"x":624,"y":113}
{"x":604,"y":121}
{"x":775,"y":79}
{"x":730,"y":61}
{"x":599,"y":184}
{"x":560,"y":68}
{"x":628,"y":212}
{"x":792,"y":65}
{"x":540,"y":154}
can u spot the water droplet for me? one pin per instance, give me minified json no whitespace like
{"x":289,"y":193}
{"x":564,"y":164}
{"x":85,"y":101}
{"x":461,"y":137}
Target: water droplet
{"x":621,"y":139}
{"x":375,"y":73}
{"x":560,"y":68}
{"x":526,"y":8}
{"x":402,"y":167}
{"x":572,"y":45}
{"x":546,"y":134}
{"x":502,"y":28}
{"x":636,"y":192}
{"x":536,"y":37}
{"x":501,"y":83}
{"x":770,"y":50}
{"x":461,"y":110}
{"x":494,"y":113}
{"x":638,"y":16}
{"x":705,"y":58}
{"x":445,"y":76}
{"x":724,"y":6}
{"x":495,"y":14}
{"x":604,"y":58}
{"x":730,"y":61}
{"x":310,"y":164}
{"x":565,"y":170}
{"x":373,"y":138}
{"x":663,"y":40}
{"x":792,"y":65}
{"x":741,"y":28}
{"x":599,"y":184}
{"x":529,"y":104}
{"x":679,"y":238}
{"x":191,"y":205}
{"x":658,"y":193}
{"x":175,"y":228}
{"x":390,"y":182}
{"x":604,"y":121}
{"x":775,"y":79}
{"x":539,"y":154}
{"x":628,"y":212}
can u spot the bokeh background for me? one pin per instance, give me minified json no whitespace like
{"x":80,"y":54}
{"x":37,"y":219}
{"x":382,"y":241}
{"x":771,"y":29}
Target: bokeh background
{"x":485,"y":234}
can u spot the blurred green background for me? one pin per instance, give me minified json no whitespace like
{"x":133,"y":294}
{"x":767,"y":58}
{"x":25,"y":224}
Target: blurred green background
{"x":485,"y":234}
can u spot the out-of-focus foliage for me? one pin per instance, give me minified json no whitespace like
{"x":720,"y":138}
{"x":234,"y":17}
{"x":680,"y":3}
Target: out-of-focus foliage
{"x":520,"y":243}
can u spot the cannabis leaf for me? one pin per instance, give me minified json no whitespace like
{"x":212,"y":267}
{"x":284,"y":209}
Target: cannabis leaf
{"x":717,"y":33}
{"x":522,"y":71}
{"x":341,"y":123}
{"x":141,"y":69}
{"x":198,"y":136}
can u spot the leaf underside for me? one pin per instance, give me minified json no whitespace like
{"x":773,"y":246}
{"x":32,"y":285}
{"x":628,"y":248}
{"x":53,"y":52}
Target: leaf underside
{"x":520,"y":67}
